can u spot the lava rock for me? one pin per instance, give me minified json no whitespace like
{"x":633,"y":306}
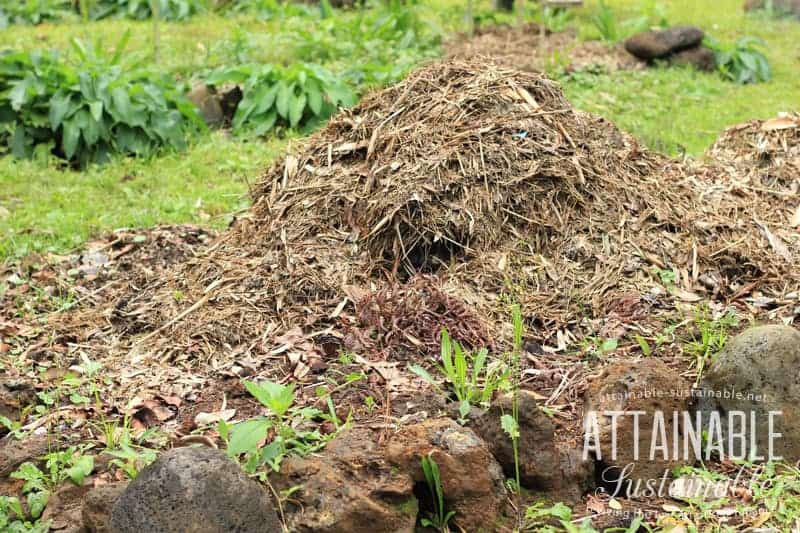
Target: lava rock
{"x":14,"y":452}
{"x":757,"y":372}
{"x":97,"y":506}
{"x":348,"y":488}
{"x":14,"y":397}
{"x":657,"y":44}
{"x":699,"y":57}
{"x":197,"y":490}
{"x":208,"y":103}
{"x":472,"y":480}
{"x":543,"y":464}
{"x":651,"y":388}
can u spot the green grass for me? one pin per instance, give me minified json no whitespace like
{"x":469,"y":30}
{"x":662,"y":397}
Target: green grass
{"x":680,"y":110}
{"x":43,"y":208}
{"x":46,"y":209}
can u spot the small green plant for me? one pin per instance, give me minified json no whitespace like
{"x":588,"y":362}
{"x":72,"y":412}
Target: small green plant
{"x":605,"y":21}
{"x":284,"y":425}
{"x":440,"y":518}
{"x":510,"y":423}
{"x":300,"y":95}
{"x":13,"y":519}
{"x":69,"y":464}
{"x":711,"y":337}
{"x":743,"y":61}
{"x":473,"y":381}
{"x":555,"y":19}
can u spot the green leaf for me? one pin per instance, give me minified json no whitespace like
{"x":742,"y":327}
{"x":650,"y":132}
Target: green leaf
{"x":60,"y":105}
{"x":510,"y":426}
{"x":96,"y":110}
{"x":37,"y":501}
{"x":296,"y":108}
{"x":80,"y":469}
{"x":247,"y":436}
{"x":314,"y":98}
{"x":70,"y":136}
{"x":278,"y":398}
{"x":285,"y":92}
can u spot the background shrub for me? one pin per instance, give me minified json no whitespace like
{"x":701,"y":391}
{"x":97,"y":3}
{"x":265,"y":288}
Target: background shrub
{"x":86,"y":111}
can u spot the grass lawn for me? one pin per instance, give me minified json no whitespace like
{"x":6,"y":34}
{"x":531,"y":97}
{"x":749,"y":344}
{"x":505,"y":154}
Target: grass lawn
{"x":43,"y":208}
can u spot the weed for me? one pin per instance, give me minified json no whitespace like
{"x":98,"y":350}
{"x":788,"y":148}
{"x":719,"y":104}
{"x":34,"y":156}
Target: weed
{"x":440,"y":518}
{"x":711,"y":337}
{"x":247,"y":438}
{"x":473,"y":381}
{"x":743,"y":61}
{"x":299,"y":95}
{"x":605,"y":21}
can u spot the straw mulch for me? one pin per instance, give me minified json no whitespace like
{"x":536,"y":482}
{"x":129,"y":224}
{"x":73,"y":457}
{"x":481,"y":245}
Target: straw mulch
{"x":479,"y":177}
{"x":766,"y":153}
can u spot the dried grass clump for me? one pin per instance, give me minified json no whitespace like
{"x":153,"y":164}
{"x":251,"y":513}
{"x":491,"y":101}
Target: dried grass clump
{"x":483,"y":176}
{"x":766,"y":152}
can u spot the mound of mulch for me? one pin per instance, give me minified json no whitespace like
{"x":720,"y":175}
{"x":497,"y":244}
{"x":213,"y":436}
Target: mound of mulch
{"x":765,"y":152}
{"x":525,"y":48}
{"x":479,"y":179}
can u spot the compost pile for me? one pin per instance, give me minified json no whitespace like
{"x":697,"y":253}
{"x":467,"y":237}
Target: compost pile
{"x":465,"y":187}
{"x":766,"y":152}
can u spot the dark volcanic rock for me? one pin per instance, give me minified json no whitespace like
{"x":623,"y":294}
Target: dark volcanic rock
{"x":757,"y":373}
{"x":472,"y":480}
{"x":14,"y":397}
{"x":14,"y":452}
{"x":196,"y":490}
{"x":348,"y":488}
{"x":544,"y":465}
{"x":657,"y":44}
{"x":652,"y":389}
{"x":97,"y":506}
{"x":699,"y":57}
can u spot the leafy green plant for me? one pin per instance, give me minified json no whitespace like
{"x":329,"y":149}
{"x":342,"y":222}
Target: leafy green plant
{"x":87,"y":111}
{"x":440,"y":518}
{"x":555,"y":19}
{"x":13,"y":519}
{"x":743,"y":61}
{"x":284,"y":425}
{"x":33,"y":11}
{"x":605,"y":21}
{"x":170,"y":10}
{"x":473,"y":381}
{"x":300,"y":95}
{"x":69,"y":464}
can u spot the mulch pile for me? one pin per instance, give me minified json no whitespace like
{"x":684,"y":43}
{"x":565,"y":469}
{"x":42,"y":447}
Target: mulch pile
{"x":766,"y":153}
{"x":437,"y":202}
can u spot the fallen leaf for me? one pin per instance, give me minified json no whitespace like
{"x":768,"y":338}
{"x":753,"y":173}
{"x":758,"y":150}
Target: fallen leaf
{"x":614,"y":504}
{"x":596,"y":505}
{"x":761,"y":519}
{"x":795,"y":218}
{"x":207,"y":419}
